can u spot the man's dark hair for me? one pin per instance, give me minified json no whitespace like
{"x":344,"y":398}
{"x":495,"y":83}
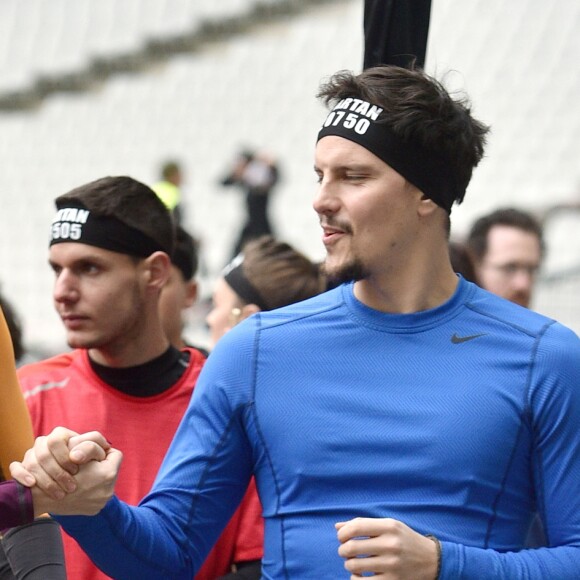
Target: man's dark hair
{"x":461,"y":261}
{"x":508,"y":216}
{"x":417,"y":108}
{"x":279,"y":273}
{"x":131,"y":202}
{"x":185,"y":253}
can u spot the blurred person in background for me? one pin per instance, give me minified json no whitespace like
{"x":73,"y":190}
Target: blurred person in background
{"x":461,"y":260}
{"x":12,"y":320}
{"x":256,"y":173}
{"x":31,"y":552}
{"x":168,"y":188}
{"x":180,"y":292}
{"x":268,"y":274}
{"x":110,"y":247}
{"x":507,"y":247}
{"x":23,"y":354}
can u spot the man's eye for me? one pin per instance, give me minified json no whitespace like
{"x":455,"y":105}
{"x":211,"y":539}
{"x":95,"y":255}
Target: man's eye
{"x":90,"y":269}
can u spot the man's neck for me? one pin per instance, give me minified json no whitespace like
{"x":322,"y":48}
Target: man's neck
{"x":130,"y":354}
{"x":407,"y":291}
{"x":148,"y":379}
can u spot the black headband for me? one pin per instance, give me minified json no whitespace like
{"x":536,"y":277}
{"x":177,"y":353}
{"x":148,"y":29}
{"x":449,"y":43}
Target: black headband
{"x":235,"y":277}
{"x":75,"y":223}
{"x":359,"y":121}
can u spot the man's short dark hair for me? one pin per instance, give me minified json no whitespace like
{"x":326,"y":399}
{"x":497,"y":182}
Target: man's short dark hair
{"x":185,"y":253}
{"x":461,"y":261}
{"x":131,"y":202}
{"x":417,"y":108}
{"x":508,"y":216}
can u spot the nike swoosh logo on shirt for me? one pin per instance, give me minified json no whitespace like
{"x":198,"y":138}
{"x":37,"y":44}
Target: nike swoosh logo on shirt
{"x":459,"y":339}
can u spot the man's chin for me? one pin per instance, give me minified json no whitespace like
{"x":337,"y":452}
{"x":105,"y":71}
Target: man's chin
{"x":340,"y":273}
{"x":75,"y":340}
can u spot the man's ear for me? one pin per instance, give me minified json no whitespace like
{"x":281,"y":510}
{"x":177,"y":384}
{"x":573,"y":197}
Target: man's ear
{"x":426,"y":206}
{"x":248,"y":310}
{"x":157,"y":269}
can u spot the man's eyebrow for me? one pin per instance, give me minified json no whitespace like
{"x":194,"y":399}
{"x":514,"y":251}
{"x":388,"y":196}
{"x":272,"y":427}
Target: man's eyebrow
{"x":357,"y":166}
{"x":90,"y":259}
{"x":348,"y":167}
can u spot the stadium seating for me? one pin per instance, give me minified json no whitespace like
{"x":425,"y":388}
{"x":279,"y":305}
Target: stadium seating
{"x":145,"y":92}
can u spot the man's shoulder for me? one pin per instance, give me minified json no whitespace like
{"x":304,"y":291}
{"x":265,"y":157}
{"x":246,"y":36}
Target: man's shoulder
{"x":50,"y":368}
{"x":315,"y":307}
{"x":517,"y":318}
{"x":286,"y":323}
{"x":196,"y":359}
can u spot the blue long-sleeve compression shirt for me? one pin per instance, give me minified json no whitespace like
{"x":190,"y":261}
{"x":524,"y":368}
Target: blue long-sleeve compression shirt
{"x":460,"y":421}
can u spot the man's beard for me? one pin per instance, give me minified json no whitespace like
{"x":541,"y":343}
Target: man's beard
{"x":349,"y":272}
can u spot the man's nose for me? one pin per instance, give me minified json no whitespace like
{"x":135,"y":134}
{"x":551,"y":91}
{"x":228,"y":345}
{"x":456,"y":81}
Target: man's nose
{"x":65,"y":287}
{"x":326,"y":200}
{"x":524,"y":278}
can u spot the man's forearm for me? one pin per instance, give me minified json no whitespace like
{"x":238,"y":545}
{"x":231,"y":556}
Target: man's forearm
{"x":129,"y":542}
{"x":458,"y":561}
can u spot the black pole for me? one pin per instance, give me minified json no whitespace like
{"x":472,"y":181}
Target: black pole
{"x":395,"y":32}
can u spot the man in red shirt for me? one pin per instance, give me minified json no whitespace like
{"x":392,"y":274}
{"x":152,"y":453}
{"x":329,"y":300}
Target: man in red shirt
{"x":110,"y":248}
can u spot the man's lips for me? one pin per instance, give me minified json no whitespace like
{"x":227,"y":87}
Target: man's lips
{"x":73,"y":321}
{"x":332,"y":233}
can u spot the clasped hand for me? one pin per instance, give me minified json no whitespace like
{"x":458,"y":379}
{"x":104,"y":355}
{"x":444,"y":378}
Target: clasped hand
{"x":68,"y":473}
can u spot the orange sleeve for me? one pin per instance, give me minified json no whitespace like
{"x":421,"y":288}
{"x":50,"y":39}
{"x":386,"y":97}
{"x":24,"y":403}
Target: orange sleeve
{"x":15,"y":426}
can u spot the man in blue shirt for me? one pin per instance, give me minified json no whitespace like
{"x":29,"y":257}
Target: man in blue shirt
{"x":419,"y":417}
